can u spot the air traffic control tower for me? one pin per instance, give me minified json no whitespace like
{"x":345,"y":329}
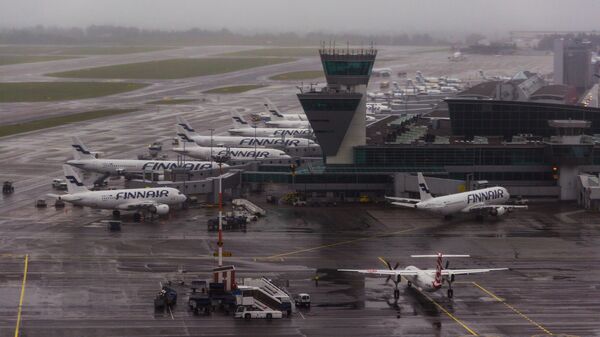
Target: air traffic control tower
{"x":337,"y":112}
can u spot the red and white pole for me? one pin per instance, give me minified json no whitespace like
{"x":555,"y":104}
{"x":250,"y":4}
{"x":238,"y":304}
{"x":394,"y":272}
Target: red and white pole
{"x":220,"y":242}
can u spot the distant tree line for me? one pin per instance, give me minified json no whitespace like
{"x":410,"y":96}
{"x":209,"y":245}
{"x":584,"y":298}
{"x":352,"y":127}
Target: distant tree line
{"x":547,"y":42}
{"x":130,"y":35}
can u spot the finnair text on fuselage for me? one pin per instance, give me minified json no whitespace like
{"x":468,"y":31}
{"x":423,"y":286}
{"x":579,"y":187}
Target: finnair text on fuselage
{"x":291,"y":132}
{"x":142,"y":194}
{"x":161,"y":166}
{"x":268,"y":141}
{"x":485,"y":195}
{"x":244,"y":154}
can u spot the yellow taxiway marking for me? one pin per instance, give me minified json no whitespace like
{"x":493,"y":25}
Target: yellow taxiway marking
{"x":471,"y":331}
{"x":341,"y":243}
{"x":22,"y":295}
{"x":512,"y":308}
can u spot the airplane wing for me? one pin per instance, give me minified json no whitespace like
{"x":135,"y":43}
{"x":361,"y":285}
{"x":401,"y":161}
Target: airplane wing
{"x":65,"y":197}
{"x":401,"y":272}
{"x":467,"y":271}
{"x":448,"y":272}
{"x":409,"y":200}
{"x":483,"y":207}
{"x":404,"y":204}
{"x":137,"y":205}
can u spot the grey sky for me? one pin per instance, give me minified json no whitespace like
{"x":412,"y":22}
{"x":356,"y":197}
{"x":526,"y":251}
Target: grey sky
{"x":452,"y":16}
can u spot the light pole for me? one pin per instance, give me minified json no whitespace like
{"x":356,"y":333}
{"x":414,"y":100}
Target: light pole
{"x":211,"y":147}
{"x":254,"y":126}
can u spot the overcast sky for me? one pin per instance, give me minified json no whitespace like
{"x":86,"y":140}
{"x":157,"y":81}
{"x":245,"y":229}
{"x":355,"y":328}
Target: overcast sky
{"x":453,"y":16}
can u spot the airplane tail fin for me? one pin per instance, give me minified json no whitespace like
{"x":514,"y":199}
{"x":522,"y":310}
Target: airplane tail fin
{"x":80,"y":151}
{"x":272,"y":110}
{"x":438,"y":271}
{"x":185,"y":125}
{"x":74,"y":182}
{"x":438,"y":268}
{"x":238,"y":120}
{"x":184,"y":136}
{"x":423,"y":189}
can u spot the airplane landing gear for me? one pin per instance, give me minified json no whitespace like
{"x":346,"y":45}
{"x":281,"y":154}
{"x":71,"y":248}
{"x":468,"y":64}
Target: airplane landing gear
{"x":137,"y":217}
{"x":396,"y":293}
{"x":450,"y":293}
{"x":447,"y":217}
{"x":409,"y":284}
{"x":116,"y":214}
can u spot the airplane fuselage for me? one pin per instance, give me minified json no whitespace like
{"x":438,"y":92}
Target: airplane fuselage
{"x":423,"y":280}
{"x":114,"y":198}
{"x":272,"y":132}
{"x":119,"y":166}
{"x":235,"y":153}
{"x":461,"y":202}
{"x":241,"y":141}
{"x":283,"y":123}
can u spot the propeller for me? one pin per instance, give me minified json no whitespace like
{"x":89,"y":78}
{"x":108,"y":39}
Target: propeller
{"x":389,"y":266}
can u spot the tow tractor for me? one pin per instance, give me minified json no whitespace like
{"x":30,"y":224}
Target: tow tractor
{"x":7,"y":187}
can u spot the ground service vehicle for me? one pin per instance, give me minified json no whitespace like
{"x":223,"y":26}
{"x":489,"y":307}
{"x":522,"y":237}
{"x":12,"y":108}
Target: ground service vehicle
{"x":248,"y":312}
{"x":302,"y":300}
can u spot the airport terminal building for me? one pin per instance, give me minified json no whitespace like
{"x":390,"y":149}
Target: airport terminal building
{"x":536,"y":144}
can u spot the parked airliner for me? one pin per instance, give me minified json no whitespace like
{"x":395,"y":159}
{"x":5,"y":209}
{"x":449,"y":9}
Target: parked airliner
{"x":190,"y":148}
{"x":84,"y":159}
{"x":489,"y":200}
{"x":242,"y":128}
{"x":241,"y":141}
{"x":154,"y":200}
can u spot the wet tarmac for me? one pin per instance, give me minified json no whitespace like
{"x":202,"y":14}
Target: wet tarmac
{"x":83,"y":280}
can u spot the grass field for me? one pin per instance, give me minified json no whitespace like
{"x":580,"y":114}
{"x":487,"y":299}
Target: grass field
{"x":59,"y":91}
{"x":75,"y":50}
{"x":12,"y":129}
{"x":172,"y":101}
{"x":15,"y":59}
{"x":276,"y":52}
{"x":171,"y":69}
{"x":236,"y":89}
{"x":298,"y":75}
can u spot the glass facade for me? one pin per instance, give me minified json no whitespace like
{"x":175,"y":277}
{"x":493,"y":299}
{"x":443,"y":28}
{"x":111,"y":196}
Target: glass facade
{"x":509,"y":118}
{"x":317,"y":178}
{"x":431,"y":156}
{"x":318,"y":104}
{"x":347,"y":68}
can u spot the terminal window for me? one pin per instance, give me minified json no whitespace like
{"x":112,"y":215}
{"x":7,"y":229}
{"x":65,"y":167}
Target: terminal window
{"x":348,"y":68}
{"x":329,"y":104}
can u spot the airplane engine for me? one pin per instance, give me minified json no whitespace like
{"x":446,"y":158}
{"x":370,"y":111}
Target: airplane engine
{"x":498,"y":211}
{"x":160,"y":209}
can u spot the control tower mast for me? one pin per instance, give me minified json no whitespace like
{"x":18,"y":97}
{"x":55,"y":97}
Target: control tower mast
{"x":337,"y":112}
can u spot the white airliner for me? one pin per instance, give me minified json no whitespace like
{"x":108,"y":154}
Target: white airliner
{"x":429,"y":280}
{"x":190,"y":148}
{"x":276,"y":114}
{"x":242,"y":128}
{"x":85,"y":160}
{"x":154,"y":200}
{"x":489,"y":200}
{"x":284,"y":123}
{"x":240,"y":141}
